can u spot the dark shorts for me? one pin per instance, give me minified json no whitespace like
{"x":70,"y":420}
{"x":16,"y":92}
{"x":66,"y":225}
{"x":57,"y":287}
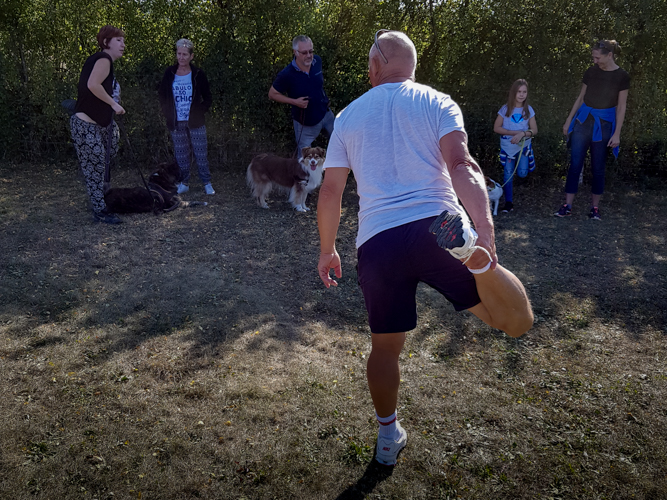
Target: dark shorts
{"x":392,"y":263}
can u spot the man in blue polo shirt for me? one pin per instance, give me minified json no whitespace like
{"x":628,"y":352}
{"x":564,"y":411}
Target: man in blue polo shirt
{"x":303,"y":83}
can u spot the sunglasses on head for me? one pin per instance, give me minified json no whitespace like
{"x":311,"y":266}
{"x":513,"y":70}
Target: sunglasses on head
{"x":379,"y":33}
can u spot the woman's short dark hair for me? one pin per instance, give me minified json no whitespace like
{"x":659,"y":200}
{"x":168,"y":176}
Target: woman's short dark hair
{"x":107,"y":33}
{"x":607,"y":46}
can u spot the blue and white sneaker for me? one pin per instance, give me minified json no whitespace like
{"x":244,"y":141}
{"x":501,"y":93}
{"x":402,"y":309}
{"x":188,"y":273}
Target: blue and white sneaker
{"x":564,"y":211}
{"x":454,"y":234}
{"x":182,"y":188}
{"x":595,"y":214}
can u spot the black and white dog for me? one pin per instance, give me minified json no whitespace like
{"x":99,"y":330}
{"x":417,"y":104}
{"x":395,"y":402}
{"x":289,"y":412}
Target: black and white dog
{"x":495,"y":191}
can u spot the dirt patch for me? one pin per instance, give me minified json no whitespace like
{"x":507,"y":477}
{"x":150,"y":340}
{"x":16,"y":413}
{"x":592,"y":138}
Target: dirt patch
{"x":196,"y":354}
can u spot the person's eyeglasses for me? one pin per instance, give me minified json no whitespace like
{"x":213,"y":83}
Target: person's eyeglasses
{"x":306,"y":52}
{"x":377,"y":45}
{"x":600,"y":45}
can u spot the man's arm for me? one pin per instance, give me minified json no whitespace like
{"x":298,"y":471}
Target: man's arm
{"x":469,"y":186}
{"x":274,"y":95}
{"x":328,"y":219}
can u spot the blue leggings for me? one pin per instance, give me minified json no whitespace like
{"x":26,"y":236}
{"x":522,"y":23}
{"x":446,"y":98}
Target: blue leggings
{"x":581,"y":140}
{"x":508,"y":173}
{"x":182,"y":137}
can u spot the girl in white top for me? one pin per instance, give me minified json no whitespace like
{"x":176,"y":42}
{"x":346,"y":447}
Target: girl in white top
{"x":517,"y":126}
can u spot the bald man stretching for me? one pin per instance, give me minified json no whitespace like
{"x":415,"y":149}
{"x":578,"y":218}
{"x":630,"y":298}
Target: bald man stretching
{"x":407,"y":147}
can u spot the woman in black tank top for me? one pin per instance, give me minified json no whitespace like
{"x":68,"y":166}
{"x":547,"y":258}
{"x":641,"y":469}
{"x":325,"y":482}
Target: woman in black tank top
{"x":92,"y":121}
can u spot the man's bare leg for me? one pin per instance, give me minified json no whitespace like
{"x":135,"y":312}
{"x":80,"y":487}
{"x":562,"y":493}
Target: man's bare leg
{"x":504,"y":305}
{"x":384,"y":377}
{"x":383,"y":372}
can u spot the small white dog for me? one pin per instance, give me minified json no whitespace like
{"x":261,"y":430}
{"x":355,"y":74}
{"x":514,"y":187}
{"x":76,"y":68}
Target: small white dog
{"x":495,"y":192}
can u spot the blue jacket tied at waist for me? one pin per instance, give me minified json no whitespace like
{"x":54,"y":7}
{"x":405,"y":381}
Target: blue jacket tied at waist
{"x":607,"y":114}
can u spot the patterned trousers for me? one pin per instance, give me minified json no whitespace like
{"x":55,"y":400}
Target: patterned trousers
{"x":90,"y":141}
{"x":182,"y":137}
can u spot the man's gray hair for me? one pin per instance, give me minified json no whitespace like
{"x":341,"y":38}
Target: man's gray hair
{"x":186,"y":44}
{"x":300,"y":39}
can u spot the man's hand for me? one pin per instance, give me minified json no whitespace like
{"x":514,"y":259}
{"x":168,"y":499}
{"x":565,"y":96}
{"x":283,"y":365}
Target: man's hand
{"x":468,"y":183}
{"x":615,"y":140}
{"x":485,"y":239}
{"x":301,"y":102}
{"x":329,"y":261}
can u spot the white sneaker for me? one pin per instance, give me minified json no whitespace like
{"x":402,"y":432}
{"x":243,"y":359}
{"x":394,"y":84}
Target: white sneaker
{"x":182,"y":188}
{"x":209,"y":189}
{"x":387,"y":450}
{"x":455,"y":235}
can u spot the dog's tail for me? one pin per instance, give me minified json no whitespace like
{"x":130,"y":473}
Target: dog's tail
{"x":187,"y":204}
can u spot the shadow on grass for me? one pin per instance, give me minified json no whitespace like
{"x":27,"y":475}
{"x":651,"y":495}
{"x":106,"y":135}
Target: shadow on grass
{"x":213,"y":274}
{"x":373,"y":475}
{"x":222,"y":271}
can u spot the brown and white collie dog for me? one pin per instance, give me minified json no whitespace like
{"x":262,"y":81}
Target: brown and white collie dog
{"x":300,"y":177}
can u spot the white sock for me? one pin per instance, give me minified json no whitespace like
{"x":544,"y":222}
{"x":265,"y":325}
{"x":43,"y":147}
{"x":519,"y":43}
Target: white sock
{"x":387,"y":425}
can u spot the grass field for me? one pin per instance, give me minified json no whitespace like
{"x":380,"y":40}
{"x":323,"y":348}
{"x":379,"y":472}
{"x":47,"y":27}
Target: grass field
{"x":197,"y":355}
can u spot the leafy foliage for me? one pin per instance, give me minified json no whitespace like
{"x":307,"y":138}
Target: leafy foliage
{"x":471,"y":49}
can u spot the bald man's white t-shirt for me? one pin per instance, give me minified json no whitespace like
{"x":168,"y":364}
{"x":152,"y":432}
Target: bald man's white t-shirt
{"x":389,"y":138}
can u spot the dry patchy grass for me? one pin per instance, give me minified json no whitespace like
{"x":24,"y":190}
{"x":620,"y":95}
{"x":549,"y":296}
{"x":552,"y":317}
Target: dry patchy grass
{"x":196,"y":355}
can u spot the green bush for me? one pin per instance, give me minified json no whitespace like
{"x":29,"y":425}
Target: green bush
{"x":472,"y":50}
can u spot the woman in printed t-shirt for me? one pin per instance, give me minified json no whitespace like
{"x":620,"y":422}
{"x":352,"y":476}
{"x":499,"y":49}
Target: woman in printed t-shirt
{"x":517,"y":126}
{"x":595,"y":122}
{"x":184,"y":97}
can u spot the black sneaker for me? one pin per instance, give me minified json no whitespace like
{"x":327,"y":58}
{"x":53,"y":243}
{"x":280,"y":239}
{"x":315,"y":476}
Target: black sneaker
{"x":509,"y":207}
{"x":594,"y":214}
{"x":563,"y":211}
{"x":106,"y":217}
